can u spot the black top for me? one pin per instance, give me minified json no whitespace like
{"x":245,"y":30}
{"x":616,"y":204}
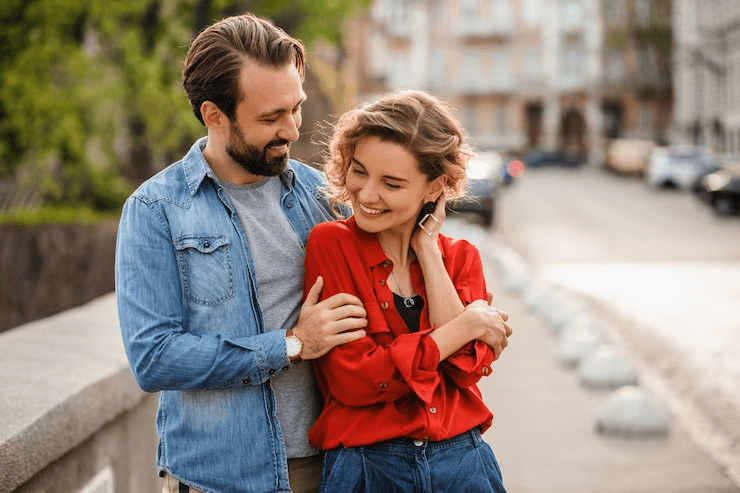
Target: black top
{"x":410,"y":314}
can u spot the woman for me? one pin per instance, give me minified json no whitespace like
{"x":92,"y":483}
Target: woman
{"x":402,"y":412}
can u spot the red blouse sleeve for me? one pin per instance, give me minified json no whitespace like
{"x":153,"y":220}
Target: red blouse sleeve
{"x":376,"y":368}
{"x":466,"y":366}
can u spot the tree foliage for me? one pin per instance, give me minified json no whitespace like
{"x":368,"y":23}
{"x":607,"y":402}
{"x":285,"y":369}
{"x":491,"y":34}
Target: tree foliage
{"x":90,"y":90}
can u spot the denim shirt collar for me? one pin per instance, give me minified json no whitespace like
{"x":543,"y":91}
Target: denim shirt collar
{"x":196,"y":168}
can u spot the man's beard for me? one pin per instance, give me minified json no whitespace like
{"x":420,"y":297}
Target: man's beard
{"x":251,"y":158}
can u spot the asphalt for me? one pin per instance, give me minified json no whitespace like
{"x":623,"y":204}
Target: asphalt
{"x":544,"y":431}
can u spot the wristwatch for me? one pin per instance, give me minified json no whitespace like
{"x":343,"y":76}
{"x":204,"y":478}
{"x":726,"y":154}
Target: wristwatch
{"x":294,"y":346}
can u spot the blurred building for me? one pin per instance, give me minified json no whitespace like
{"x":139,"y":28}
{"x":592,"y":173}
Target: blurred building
{"x":637,"y":90}
{"x":522,"y":73}
{"x":563,"y":75}
{"x":707,"y":73}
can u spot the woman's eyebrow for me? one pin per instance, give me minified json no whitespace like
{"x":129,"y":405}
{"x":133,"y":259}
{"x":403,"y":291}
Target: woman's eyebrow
{"x":387,"y":177}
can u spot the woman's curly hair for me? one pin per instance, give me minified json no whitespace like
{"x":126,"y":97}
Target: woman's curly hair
{"x":416,"y":120}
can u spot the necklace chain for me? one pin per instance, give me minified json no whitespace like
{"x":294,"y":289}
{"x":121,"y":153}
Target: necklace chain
{"x":408,"y":301}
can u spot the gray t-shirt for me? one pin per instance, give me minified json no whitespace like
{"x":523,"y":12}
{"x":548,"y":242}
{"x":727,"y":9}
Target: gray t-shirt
{"x":278,"y":255}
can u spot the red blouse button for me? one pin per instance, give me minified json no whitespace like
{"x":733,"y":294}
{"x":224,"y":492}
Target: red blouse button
{"x":384,"y":305}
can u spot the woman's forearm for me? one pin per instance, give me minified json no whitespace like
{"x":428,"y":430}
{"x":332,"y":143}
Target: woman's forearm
{"x":443,"y":302}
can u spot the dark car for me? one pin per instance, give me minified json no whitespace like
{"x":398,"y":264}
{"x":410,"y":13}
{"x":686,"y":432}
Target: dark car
{"x":536,"y":159}
{"x":721,"y":190}
{"x":484,"y":176}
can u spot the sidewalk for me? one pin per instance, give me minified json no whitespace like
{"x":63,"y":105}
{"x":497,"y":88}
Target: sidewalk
{"x":544,"y":434}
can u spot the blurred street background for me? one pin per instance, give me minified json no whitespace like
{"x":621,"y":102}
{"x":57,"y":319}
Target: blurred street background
{"x":607,"y":178}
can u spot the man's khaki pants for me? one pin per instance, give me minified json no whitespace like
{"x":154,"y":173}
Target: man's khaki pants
{"x":304,"y":475}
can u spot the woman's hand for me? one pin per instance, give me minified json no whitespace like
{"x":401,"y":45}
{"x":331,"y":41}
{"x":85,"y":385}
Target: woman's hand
{"x":426,"y":237}
{"x":492,"y":324}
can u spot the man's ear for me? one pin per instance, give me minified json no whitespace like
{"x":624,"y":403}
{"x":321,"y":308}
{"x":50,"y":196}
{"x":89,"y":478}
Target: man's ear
{"x":213,"y":117}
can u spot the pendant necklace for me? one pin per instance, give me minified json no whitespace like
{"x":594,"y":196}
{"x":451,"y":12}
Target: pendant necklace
{"x":408,"y":302}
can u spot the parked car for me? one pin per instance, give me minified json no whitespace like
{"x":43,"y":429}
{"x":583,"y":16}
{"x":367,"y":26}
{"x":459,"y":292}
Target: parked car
{"x":678,"y":167}
{"x":721,"y":189}
{"x":508,"y":166}
{"x":628,"y":156}
{"x":537,"y":158}
{"x":484,"y":181}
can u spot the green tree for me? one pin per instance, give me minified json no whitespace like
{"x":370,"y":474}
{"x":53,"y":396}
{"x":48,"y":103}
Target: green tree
{"x":90,"y":90}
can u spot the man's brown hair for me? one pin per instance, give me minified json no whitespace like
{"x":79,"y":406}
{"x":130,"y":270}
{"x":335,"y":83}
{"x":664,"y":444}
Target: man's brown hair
{"x":217,"y":54}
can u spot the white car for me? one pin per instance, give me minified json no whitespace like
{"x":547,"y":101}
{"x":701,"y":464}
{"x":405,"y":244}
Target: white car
{"x":678,"y":167}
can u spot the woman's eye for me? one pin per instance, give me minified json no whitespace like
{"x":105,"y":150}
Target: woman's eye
{"x":393,"y":186}
{"x":357,"y":170}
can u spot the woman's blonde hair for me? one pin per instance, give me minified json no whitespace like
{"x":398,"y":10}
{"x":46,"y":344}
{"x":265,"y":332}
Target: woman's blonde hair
{"x":416,"y":120}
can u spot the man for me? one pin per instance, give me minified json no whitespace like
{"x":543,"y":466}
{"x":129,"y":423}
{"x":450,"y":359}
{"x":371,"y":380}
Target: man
{"x":209,"y":274}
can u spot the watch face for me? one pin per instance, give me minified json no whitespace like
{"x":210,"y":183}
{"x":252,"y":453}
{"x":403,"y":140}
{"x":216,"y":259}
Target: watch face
{"x":293,"y":346}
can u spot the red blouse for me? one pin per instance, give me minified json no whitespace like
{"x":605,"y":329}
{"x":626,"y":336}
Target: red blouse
{"x":390,"y":383}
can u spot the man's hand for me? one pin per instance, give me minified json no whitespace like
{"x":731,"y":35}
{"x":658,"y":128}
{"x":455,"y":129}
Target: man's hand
{"x":492,"y":323}
{"x":334,"y":321}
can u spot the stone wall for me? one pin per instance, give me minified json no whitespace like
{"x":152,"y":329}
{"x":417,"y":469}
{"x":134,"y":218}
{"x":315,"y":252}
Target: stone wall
{"x":48,"y":269}
{"x":72,"y":417}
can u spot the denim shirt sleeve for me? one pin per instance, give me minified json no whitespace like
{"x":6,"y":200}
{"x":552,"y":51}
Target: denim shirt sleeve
{"x":163,"y":354}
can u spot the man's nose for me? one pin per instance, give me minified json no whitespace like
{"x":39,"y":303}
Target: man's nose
{"x":289,"y":129}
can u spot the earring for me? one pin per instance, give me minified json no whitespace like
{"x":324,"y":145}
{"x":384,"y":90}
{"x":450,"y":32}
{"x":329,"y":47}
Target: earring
{"x":428,"y":211}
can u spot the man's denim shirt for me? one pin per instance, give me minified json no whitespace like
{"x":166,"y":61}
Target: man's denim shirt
{"x":193,"y":328}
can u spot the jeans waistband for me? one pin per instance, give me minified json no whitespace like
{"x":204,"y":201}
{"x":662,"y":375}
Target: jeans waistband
{"x":470,"y":437}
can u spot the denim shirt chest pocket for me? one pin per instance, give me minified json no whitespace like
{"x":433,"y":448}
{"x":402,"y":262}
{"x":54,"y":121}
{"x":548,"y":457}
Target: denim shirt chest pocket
{"x":206,"y":268}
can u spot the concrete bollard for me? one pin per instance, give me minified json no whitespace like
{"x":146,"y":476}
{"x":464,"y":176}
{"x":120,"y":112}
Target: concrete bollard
{"x":607,"y":368}
{"x":560,"y":311}
{"x":535,"y":295}
{"x":631,"y":412}
{"x":576,"y":344}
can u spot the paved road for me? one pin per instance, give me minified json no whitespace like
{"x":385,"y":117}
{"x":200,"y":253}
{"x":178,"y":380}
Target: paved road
{"x":660,"y":268}
{"x":544,"y":431}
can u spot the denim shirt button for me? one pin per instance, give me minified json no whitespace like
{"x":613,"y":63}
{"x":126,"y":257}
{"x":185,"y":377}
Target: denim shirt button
{"x":245,"y":381}
{"x":289,"y":205}
{"x":206,"y":245}
{"x":272,"y":371}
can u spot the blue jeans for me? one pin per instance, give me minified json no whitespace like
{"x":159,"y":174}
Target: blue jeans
{"x":462,"y":463}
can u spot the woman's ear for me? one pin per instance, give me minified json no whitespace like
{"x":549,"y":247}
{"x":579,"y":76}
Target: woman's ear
{"x":435,"y":188}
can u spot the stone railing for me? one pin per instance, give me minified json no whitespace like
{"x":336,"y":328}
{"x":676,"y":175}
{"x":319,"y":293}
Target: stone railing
{"x":72,"y":419}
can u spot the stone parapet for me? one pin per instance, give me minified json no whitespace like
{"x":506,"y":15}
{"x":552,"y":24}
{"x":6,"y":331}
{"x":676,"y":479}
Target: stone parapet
{"x":69,"y":403}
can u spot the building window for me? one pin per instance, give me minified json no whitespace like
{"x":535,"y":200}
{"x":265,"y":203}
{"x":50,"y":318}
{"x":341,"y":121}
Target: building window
{"x":471,"y":9}
{"x":501,"y":120}
{"x":533,"y":64}
{"x":571,"y":61}
{"x":471,"y":119}
{"x":572,"y":14}
{"x":643,"y":12}
{"x":614,"y":12}
{"x":648,"y":64}
{"x":646,"y":119}
{"x":501,"y":66}
{"x":614,"y":64}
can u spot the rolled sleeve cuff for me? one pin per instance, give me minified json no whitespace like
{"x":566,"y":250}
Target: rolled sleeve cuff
{"x":270,"y":353}
{"x":417,"y":359}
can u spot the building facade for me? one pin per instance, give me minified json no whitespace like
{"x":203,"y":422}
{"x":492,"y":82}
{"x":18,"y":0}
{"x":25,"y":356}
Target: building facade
{"x":707,"y":73}
{"x":564,"y":75}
